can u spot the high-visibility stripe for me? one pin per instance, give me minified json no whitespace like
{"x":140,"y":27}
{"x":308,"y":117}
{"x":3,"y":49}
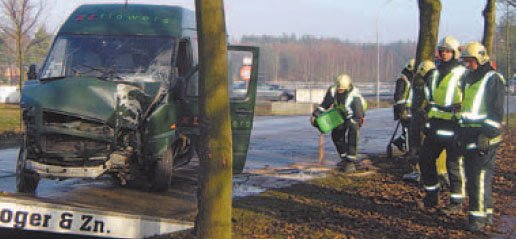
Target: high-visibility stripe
{"x":471,"y":146}
{"x":342,"y":155}
{"x":432,"y":188}
{"x":481,"y":195}
{"x":403,"y":101}
{"x":427,"y":125}
{"x":492,"y":123}
{"x":351,"y":157}
{"x":433,"y":83}
{"x":453,"y":83}
{"x":457,"y":196}
{"x":444,"y":132}
{"x":489,"y":211}
{"x":477,"y":213}
{"x":463,"y":178}
{"x":474,"y":116}
{"x":496,"y":140}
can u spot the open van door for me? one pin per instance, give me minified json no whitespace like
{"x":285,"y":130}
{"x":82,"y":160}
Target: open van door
{"x":242,"y":78}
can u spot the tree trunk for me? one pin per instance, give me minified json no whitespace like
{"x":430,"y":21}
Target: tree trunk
{"x":427,"y":39}
{"x":428,"y":34}
{"x":215,"y":143}
{"x":488,"y":33}
{"x":19,"y":58}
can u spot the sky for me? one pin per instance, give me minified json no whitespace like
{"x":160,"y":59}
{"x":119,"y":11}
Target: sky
{"x":352,"y":20}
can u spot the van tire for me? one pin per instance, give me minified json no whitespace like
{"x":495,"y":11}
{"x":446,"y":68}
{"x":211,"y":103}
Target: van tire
{"x":26,"y":182}
{"x":163,"y":170}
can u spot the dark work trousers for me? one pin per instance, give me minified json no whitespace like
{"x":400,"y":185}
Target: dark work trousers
{"x":345,"y":138}
{"x":416,"y":127}
{"x":433,"y":145}
{"x":479,"y":169}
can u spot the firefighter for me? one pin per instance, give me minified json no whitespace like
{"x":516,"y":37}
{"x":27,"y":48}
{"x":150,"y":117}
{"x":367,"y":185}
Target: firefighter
{"x":481,"y":116}
{"x":402,"y":99}
{"x":443,"y":108}
{"x":348,"y":101}
{"x":425,"y":71}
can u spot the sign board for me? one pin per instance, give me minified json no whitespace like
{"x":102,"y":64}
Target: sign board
{"x":35,"y":216}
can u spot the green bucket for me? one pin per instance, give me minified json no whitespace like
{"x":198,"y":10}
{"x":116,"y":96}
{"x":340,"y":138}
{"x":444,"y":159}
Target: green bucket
{"x":329,"y":120}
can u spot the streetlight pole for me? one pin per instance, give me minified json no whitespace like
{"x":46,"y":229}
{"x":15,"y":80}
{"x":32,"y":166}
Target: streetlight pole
{"x":379,"y":52}
{"x":378,"y":59}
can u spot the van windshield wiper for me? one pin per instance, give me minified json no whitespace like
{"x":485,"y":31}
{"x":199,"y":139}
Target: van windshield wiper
{"x":105,"y":74}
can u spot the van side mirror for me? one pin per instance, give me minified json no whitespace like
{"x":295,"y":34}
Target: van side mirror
{"x":32,"y":73}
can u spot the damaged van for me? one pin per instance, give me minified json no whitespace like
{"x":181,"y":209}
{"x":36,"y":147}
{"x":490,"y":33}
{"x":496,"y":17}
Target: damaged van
{"x":118,"y":95}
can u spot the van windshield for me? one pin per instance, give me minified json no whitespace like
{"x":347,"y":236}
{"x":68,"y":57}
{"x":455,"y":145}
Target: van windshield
{"x":128,"y":58}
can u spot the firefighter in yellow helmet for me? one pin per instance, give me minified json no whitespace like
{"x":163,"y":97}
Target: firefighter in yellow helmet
{"x":401,"y":107}
{"x":441,"y":129}
{"x":348,"y":101}
{"x":481,"y":116}
{"x":424,"y":73}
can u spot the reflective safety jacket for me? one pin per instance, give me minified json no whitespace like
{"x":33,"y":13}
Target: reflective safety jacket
{"x":350,"y":104}
{"x":403,"y":91}
{"x":445,"y":96}
{"x":483,"y":104}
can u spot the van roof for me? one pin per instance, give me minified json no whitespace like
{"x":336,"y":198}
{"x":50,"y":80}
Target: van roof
{"x":133,"y":19}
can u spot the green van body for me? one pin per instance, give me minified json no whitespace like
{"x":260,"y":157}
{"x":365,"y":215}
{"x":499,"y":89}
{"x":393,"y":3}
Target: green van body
{"x":117,"y":95}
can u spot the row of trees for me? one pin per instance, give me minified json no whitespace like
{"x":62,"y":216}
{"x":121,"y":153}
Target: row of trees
{"x":311,"y":59}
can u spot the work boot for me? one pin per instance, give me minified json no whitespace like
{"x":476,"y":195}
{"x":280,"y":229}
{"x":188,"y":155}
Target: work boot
{"x":476,"y":224}
{"x":348,"y":167}
{"x":412,"y":177}
{"x":489,"y":219}
{"x":452,"y":209}
{"x":431,"y":198}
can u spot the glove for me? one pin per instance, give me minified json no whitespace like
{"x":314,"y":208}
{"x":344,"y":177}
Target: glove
{"x":483,"y":142}
{"x":315,"y":115}
{"x":360,"y":122}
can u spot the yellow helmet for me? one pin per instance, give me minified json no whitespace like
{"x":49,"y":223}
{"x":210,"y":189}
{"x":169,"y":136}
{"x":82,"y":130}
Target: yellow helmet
{"x":450,"y":43}
{"x":424,"y":67}
{"x":343,"y":82}
{"x":476,"y":50}
{"x":410,"y":66}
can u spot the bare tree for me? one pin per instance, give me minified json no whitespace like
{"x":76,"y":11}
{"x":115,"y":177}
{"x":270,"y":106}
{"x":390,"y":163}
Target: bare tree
{"x":215,"y":142}
{"x":20,"y":19}
{"x":488,"y":33}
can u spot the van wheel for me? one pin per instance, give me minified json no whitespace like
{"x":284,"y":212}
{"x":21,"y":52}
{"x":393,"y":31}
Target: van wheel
{"x":163,"y":170}
{"x":26,"y":182}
